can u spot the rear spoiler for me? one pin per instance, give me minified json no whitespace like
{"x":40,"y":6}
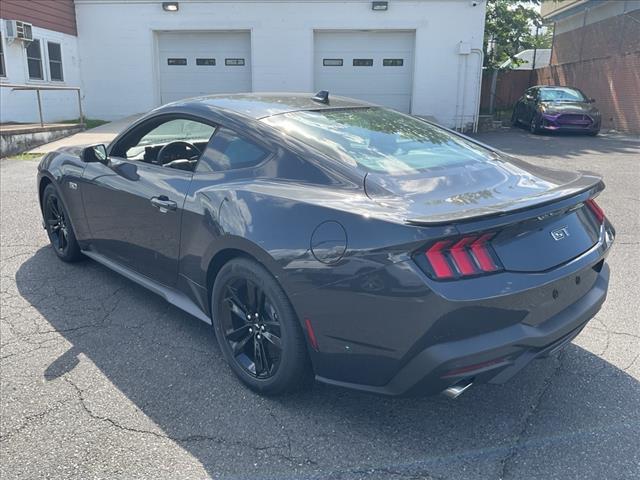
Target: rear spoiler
{"x":586,"y":186}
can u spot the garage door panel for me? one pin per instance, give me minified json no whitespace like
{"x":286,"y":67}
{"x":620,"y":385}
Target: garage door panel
{"x":182,"y":76}
{"x":389,"y":79}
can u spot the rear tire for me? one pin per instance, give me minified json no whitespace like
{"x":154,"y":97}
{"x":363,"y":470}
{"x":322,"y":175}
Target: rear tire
{"x":257,"y":330}
{"x":514,"y":119}
{"x":58,"y":225}
{"x":594,"y":133}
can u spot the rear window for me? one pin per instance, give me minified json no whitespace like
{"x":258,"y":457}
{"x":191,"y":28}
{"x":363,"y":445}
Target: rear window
{"x":379,"y":140}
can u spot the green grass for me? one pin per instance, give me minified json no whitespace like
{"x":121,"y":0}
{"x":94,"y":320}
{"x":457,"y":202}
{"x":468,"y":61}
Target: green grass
{"x":26,"y":156}
{"x":89,"y":122}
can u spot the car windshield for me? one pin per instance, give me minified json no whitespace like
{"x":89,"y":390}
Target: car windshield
{"x":561,"y":94}
{"x":379,"y":140}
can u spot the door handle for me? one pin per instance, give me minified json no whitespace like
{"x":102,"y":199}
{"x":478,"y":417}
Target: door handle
{"x":163,"y":203}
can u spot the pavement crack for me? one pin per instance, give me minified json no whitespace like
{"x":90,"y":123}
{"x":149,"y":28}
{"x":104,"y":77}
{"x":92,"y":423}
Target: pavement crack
{"x":515,"y":446}
{"x":28,"y":419}
{"x":178,"y":439}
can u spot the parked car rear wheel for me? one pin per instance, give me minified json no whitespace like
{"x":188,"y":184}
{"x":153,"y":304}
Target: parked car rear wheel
{"x":257,"y":329}
{"x":59,"y":229}
{"x":514,"y":119}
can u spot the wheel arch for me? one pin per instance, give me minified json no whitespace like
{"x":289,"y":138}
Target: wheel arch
{"x":44,"y":181}
{"x":240,"y":248}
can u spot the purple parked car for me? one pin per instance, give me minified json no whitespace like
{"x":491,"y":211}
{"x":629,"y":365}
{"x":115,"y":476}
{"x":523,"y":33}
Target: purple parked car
{"x":555,"y":108}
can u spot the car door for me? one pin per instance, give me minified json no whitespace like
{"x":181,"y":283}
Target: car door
{"x":134,"y":205}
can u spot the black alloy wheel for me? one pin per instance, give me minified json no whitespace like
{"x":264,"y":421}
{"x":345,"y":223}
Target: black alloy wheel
{"x":59,"y":229}
{"x":251,"y":328}
{"x":257,"y":329}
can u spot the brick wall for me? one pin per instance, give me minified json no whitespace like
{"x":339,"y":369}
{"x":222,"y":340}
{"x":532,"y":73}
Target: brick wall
{"x":56,"y":15}
{"x":614,"y":82}
{"x":603,"y":60}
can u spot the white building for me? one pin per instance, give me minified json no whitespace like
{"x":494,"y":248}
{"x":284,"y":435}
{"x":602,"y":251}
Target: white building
{"x":48,"y":58}
{"x":418,"y":56}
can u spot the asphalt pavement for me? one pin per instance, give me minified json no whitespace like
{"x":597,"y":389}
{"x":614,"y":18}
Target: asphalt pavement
{"x":102,"y":379}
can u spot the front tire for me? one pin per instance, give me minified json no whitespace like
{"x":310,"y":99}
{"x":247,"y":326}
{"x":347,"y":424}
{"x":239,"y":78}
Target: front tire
{"x":58,"y":225}
{"x":257,"y":329}
{"x":534,"y":126}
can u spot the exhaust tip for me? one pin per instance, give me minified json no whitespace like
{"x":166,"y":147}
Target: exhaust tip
{"x":456,"y":390}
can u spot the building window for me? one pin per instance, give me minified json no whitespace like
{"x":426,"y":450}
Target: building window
{"x":176,"y":61}
{"x":363,"y":62}
{"x":332,"y":62}
{"x":34,"y":60}
{"x":55,"y":61}
{"x":205,"y":61}
{"x":3,"y":72}
{"x":393,"y":62}
{"x":234,"y":62}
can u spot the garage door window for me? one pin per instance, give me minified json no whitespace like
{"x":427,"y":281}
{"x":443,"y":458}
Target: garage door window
{"x":363,"y":62}
{"x":177,"y":61}
{"x":205,"y":61}
{"x":332,"y":62}
{"x":229,"y":151}
{"x":393,"y":62}
{"x":234,"y":62}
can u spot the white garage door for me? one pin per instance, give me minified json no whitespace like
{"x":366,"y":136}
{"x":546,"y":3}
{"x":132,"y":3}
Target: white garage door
{"x":374,"y":66}
{"x":203,"y":63}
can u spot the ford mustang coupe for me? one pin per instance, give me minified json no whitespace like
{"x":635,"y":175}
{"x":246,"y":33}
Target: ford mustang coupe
{"x":331,"y":238}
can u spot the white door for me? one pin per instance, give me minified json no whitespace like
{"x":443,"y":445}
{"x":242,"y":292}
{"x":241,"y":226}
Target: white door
{"x":202,"y":63}
{"x":375,"y":66}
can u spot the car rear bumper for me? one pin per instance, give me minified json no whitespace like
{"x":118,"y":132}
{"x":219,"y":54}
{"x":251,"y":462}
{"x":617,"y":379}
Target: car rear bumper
{"x":492,"y":357}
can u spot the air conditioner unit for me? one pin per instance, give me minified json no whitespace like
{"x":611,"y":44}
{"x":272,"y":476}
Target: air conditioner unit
{"x":19,"y":30}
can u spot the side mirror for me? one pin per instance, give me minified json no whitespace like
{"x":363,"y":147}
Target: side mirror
{"x":592,"y":100}
{"x":95,"y":153}
{"x":528,"y":97}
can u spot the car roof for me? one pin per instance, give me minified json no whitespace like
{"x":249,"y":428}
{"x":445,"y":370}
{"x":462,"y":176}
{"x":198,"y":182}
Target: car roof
{"x":261,"y":105}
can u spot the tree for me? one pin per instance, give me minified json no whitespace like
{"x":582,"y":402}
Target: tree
{"x":510,"y":28}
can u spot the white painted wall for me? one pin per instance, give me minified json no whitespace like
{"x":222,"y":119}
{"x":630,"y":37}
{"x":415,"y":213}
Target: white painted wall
{"x":118,"y":47}
{"x":22,"y":106}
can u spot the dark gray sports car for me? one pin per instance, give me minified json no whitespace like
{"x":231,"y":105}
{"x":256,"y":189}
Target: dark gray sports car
{"x":330,"y":237}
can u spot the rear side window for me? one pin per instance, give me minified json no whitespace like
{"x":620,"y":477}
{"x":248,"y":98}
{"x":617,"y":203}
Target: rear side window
{"x":228,"y":151}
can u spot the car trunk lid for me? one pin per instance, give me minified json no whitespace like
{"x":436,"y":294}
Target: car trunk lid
{"x":538,"y":217}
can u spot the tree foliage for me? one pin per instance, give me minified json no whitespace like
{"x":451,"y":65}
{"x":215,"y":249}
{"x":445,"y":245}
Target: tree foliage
{"x":510,"y":28}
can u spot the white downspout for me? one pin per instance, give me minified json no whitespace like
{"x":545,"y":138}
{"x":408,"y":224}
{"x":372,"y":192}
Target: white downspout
{"x":476,"y":115}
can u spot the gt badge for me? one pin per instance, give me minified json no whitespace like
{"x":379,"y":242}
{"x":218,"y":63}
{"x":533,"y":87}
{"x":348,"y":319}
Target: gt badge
{"x":560,"y":233}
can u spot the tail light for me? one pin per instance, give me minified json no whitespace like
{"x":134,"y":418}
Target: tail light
{"x":596,"y":210}
{"x":467,"y":256}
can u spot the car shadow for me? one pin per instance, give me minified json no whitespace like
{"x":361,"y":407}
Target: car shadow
{"x":520,"y":143}
{"x":170,"y":369}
